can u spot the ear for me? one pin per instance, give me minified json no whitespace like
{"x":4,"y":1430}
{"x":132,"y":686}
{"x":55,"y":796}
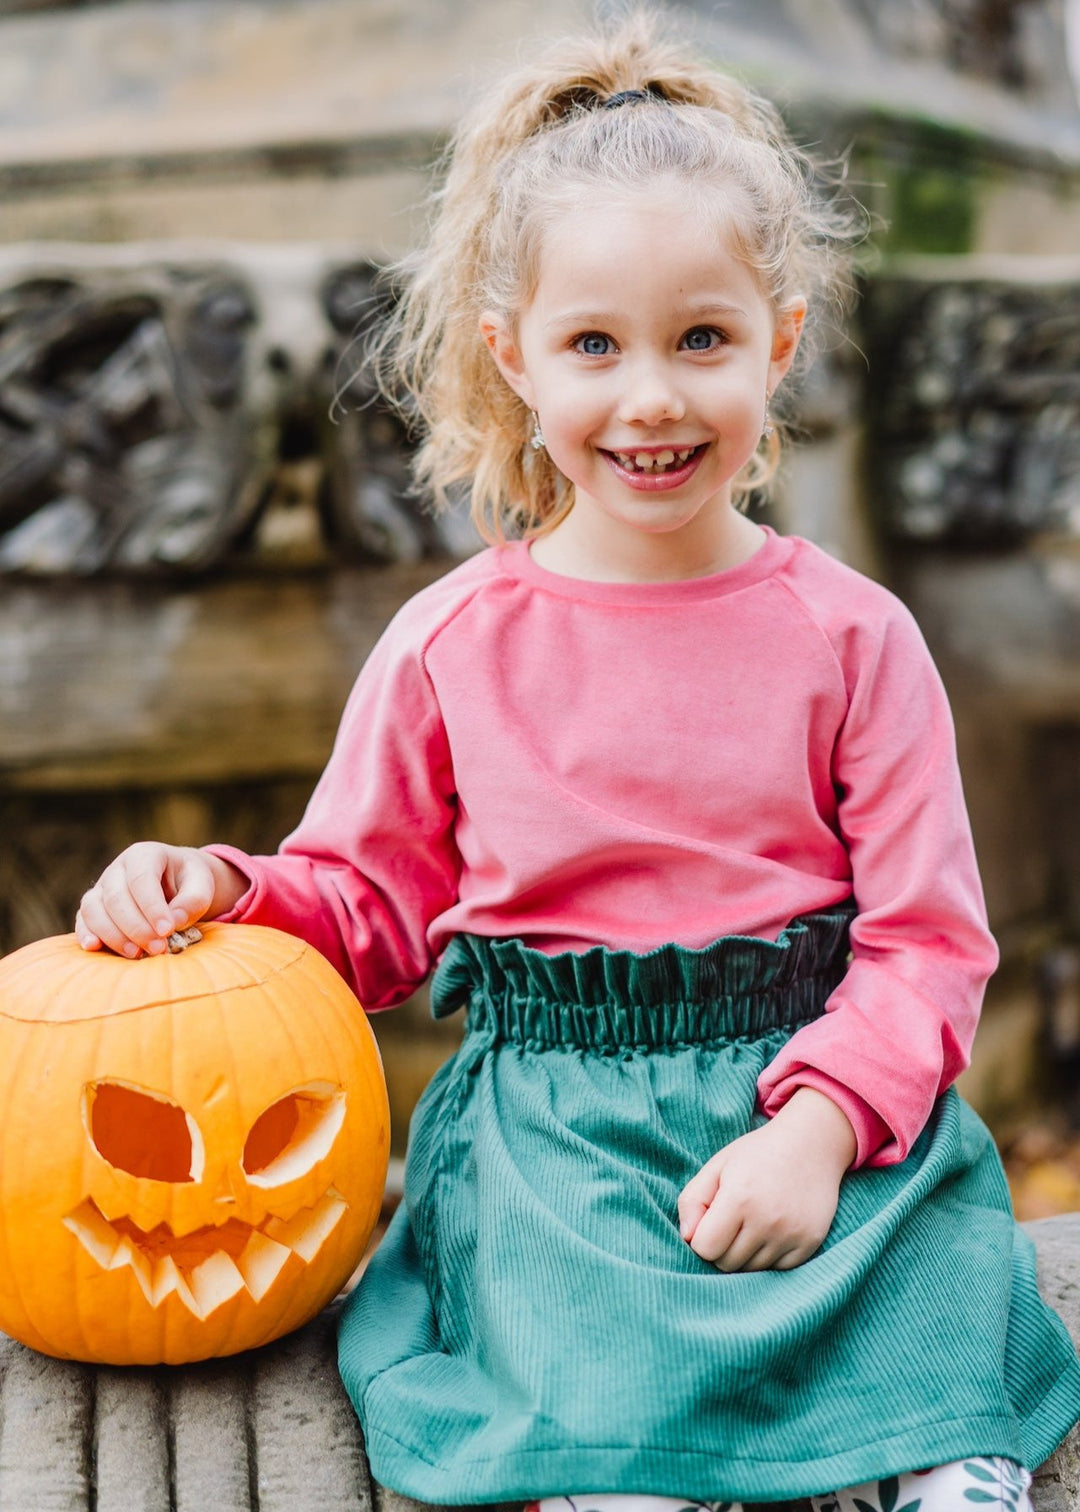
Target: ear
{"x":503,"y":346}
{"x":786,"y":332}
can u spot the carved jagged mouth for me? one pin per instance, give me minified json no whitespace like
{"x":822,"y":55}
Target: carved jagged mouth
{"x":210,"y":1266}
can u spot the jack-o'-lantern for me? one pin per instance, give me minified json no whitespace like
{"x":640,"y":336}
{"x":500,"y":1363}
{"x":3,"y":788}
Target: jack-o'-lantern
{"x":193,"y":1147}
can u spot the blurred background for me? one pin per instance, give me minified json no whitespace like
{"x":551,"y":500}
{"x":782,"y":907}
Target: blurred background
{"x":204,"y":526}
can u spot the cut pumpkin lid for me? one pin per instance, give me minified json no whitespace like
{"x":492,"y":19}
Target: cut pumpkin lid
{"x":55,"y":981}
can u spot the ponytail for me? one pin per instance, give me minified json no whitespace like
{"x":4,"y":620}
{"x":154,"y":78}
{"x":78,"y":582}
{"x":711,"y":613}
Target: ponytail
{"x":527,"y":151}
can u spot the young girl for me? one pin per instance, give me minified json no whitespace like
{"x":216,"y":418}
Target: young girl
{"x":673,"y":803}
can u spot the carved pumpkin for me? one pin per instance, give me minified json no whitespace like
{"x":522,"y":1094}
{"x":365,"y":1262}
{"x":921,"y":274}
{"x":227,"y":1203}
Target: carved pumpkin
{"x":194,"y":1146}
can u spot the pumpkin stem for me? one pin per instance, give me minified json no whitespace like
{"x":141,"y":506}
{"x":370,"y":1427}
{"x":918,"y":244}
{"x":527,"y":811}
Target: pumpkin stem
{"x":182,"y":939}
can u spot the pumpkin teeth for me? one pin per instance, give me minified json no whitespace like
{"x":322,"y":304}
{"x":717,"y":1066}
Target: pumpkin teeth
{"x":166,"y":1279}
{"x":127,"y":1254}
{"x":308,"y":1231}
{"x":94,"y":1232}
{"x":215,"y":1280}
{"x":261,"y":1263}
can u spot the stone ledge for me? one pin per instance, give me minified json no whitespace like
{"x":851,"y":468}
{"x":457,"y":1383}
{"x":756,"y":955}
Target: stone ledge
{"x":273,"y":1431}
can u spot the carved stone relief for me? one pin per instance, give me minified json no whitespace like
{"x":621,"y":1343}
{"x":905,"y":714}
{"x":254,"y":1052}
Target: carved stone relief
{"x":166,"y":410}
{"x":993,"y":39}
{"x":973,"y":408}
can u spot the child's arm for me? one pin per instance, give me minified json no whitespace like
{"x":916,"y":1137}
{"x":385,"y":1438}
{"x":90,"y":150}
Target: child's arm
{"x":372,"y":862}
{"x":898,"y":1029}
{"x":767,"y":1200}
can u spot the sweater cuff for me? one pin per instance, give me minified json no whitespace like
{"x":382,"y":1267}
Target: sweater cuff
{"x":872,"y":1133}
{"x":242,"y":861}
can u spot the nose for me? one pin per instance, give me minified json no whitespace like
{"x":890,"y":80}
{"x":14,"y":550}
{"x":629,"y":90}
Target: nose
{"x":223,"y":1190}
{"x":651,"y":394}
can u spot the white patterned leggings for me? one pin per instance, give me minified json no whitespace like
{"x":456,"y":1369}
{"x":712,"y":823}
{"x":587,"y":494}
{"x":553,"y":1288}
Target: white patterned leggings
{"x":979,"y":1484}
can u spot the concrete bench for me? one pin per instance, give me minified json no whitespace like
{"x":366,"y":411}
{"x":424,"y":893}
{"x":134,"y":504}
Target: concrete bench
{"x":272,"y":1431}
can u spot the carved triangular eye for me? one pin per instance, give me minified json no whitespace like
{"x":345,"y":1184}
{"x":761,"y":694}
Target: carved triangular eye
{"x":142,"y":1132}
{"x":293,"y":1134}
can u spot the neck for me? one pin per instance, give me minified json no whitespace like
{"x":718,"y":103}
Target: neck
{"x":577,"y":549}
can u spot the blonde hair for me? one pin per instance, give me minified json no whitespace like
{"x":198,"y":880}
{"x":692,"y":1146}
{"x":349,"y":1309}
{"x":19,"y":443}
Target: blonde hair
{"x":522,"y":156}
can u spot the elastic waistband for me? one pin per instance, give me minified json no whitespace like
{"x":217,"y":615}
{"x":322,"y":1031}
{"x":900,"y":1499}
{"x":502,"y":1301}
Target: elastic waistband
{"x":616,"y":1000}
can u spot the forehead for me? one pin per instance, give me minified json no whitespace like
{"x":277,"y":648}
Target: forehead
{"x":669,"y":243}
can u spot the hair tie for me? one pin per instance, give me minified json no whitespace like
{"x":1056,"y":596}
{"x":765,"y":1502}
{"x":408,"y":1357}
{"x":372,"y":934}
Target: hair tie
{"x":633,"y":97}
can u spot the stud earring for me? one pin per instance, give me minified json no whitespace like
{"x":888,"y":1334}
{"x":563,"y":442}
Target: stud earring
{"x":767,"y":427}
{"x":537,"y":441}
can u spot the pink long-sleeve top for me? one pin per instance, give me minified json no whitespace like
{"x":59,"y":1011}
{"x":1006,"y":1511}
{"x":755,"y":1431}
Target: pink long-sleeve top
{"x":580,"y":763}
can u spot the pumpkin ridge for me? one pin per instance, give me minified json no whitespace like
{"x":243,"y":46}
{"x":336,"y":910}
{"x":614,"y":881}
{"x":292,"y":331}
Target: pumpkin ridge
{"x":165,"y":1002}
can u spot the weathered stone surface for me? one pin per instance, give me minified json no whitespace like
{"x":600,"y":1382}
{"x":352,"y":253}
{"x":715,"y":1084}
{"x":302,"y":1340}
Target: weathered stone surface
{"x":240,"y":678}
{"x":273,"y":1431}
{"x":1057,"y":1483}
{"x":972,"y":401}
{"x":177,"y":407}
{"x":248,"y":118}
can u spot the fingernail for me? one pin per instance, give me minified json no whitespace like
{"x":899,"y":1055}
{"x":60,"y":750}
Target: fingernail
{"x":164,"y":925}
{"x":131,"y":950}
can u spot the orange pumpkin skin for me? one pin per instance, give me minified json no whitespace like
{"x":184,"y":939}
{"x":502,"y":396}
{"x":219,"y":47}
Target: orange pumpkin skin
{"x":194,"y":1145}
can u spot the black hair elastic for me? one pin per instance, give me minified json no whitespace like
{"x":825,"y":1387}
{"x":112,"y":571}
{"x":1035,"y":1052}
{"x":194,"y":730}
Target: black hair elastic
{"x":632,"y":97}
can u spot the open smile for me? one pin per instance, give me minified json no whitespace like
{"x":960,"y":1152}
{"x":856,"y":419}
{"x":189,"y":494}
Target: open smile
{"x":657,"y":468}
{"x":209,"y":1266}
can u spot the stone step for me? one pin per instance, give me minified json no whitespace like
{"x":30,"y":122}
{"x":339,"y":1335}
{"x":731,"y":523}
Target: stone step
{"x":237,"y":118}
{"x":273,"y":1431}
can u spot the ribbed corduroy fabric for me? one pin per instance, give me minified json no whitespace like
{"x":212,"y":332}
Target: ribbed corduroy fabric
{"x":533,"y":1323}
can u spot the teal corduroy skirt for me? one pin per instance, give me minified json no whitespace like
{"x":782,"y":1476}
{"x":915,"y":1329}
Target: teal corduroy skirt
{"x":533,"y":1324}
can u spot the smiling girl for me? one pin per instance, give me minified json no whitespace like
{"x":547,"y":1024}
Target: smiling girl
{"x":694,"y":1214}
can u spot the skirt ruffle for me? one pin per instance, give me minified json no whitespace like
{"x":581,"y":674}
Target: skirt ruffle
{"x":533,"y":1324}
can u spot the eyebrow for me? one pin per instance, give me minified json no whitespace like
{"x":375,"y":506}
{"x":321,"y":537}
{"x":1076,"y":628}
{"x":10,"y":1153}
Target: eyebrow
{"x":591,"y":317}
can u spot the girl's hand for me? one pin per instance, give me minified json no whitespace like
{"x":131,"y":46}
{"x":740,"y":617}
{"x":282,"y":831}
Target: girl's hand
{"x":149,"y":891}
{"x":767,"y":1200}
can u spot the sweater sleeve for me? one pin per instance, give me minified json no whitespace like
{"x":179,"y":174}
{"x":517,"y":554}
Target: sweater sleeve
{"x":899,"y":1028}
{"x":373,"y":860}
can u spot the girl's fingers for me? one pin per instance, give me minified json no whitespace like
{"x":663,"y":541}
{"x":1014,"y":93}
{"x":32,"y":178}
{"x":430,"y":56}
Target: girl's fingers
{"x":85,"y":935}
{"x":192,"y":893}
{"x":96,"y":928}
{"x":126,"y":910}
{"x":697,"y":1195}
{"x":716,"y":1232}
{"x":746,"y":1252}
{"x":790,"y":1259}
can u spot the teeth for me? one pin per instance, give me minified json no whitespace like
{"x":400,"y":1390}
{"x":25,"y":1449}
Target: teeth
{"x":653,"y":461}
{"x":168,"y":1278}
{"x":217,"y":1278}
{"x":260,"y":1263}
{"x":308,"y":1231}
{"x":127,"y":1254}
{"x":215,"y":1281}
{"x":95,"y":1233}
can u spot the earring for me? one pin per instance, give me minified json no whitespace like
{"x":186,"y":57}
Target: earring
{"x":767,"y":427}
{"x":537,"y":441}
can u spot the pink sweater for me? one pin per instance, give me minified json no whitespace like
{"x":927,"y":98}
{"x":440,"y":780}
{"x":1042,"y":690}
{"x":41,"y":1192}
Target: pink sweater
{"x":582,"y":763}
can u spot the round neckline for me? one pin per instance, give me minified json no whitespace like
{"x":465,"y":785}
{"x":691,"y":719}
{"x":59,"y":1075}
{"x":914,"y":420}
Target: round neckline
{"x":516,"y":560}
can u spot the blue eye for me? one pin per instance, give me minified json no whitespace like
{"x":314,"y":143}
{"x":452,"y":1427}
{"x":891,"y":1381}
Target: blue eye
{"x":702,"y":339}
{"x":594,"y":344}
